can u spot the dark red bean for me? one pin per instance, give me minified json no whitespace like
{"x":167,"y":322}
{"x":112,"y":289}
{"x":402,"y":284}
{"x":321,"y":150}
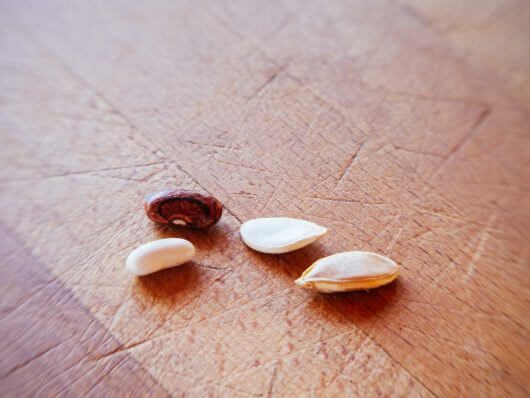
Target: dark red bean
{"x":183,"y":208}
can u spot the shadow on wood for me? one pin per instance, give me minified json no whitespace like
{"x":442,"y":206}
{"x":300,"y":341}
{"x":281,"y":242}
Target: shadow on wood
{"x":207,"y":239}
{"x":167,"y":286}
{"x":361,"y":307}
{"x":290,"y":265}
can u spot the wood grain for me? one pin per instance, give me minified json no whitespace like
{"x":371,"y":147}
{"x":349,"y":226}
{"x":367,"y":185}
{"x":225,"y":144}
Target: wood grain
{"x":493,"y":32}
{"x":51,"y":345}
{"x":355,"y":115}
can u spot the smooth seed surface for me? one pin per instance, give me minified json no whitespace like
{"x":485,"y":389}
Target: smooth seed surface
{"x":158,"y":255}
{"x":280,"y":234}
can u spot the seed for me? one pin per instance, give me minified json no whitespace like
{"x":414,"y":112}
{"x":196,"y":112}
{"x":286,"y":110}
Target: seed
{"x":348,"y":271}
{"x":185,"y":208}
{"x":280,"y":234}
{"x":158,"y":255}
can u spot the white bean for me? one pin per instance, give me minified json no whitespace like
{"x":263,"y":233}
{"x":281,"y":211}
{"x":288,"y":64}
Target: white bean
{"x":158,"y":255}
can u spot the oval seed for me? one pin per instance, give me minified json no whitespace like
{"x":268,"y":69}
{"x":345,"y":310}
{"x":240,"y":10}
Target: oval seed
{"x":280,"y":234}
{"x":183,"y":208}
{"x":355,"y":270}
{"x":158,"y":255}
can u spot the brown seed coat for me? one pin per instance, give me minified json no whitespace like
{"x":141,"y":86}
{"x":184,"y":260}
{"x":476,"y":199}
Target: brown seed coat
{"x":185,"y":208}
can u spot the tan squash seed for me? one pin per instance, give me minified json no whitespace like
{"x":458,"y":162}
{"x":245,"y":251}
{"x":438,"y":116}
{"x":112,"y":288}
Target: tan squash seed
{"x":355,"y":270}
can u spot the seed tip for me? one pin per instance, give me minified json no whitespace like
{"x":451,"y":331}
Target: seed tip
{"x":300,"y":281}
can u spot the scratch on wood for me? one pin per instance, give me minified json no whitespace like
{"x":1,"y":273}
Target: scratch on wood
{"x":344,"y":200}
{"x":474,"y":127}
{"x":82,"y":172}
{"x":33,"y":358}
{"x":85,"y":119}
{"x":271,"y":198}
{"x":480,"y":119}
{"x":394,"y":240}
{"x":273,"y":380}
{"x":459,"y":219}
{"x":433,"y":98}
{"x":121,"y":348}
{"x":480,"y":250}
{"x":244,"y":166}
{"x":102,"y":377}
{"x":24,"y":299}
{"x":143,"y":179}
{"x":269,"y":80}
{"x":115,"y":317}
{"x":330,"y":105}
{"x":346,"y":169}
{"x":418,"y":152}
{"x":212,"y":267}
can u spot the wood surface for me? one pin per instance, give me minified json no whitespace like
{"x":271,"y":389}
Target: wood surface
{"x":493,"y":32}
{"x":362,"y":116}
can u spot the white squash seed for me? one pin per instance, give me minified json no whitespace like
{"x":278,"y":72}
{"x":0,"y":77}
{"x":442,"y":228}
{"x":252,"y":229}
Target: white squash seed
{"x":280,"y":234}
{"x":158,"y":255}
{"x":355,"y":270}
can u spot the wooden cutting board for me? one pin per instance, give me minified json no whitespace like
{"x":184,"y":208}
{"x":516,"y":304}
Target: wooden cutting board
{"x":357,"y":115}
